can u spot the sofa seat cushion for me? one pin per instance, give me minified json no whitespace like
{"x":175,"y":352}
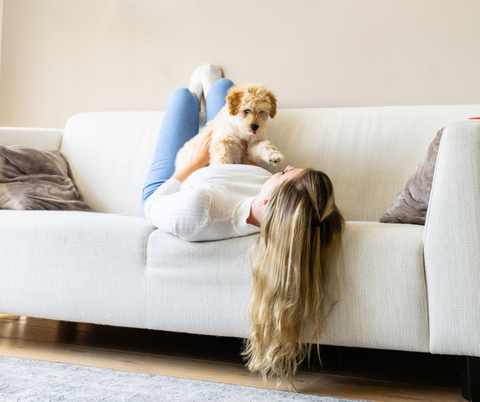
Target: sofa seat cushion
{"x":382,"y":287}
{"x":204,"y":287}
{"x":74,"y":266}
{"x":198,"y":287}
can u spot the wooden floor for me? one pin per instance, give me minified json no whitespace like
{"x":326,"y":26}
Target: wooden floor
{"x":347,"y":372}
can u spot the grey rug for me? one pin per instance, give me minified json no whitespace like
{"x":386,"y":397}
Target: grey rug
{"x":36,"y":381}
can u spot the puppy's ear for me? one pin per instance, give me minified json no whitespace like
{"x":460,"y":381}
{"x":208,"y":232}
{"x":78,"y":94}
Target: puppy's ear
{"x":234,"y":100}
{"x":273,"y":102}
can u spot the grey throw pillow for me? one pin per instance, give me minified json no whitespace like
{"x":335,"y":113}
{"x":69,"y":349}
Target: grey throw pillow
{"x":33,"y":179}
{"x":411,"y":204}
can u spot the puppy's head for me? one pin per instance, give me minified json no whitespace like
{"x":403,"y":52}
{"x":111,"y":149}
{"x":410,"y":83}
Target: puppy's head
{"x":251,"y":105}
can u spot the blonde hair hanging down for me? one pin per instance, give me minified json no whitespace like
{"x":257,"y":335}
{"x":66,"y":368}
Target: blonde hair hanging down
{"x":301,"y":233}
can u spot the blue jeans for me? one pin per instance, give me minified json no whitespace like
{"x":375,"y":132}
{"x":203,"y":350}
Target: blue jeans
{"x":180,"y":124}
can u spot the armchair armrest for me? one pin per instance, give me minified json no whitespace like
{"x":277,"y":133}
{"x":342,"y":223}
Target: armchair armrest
{"x":452,"y":243}
{"x":44,"y":139}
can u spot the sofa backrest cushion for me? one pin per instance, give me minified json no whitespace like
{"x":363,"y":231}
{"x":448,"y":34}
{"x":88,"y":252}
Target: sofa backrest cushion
{"x":109,"y":154}
{"x":369,"y":153}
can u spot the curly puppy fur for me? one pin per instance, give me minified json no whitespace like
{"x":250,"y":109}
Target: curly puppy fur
{"x":244,"y":117}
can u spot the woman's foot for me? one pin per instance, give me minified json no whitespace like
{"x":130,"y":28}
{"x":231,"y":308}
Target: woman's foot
{"x":196,"y":84}
{"x":210,"y":75}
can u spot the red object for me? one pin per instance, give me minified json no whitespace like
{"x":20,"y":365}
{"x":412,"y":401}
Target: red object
{"x":474,"y":118}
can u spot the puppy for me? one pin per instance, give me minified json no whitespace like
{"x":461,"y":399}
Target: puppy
{"x":244,"y":117}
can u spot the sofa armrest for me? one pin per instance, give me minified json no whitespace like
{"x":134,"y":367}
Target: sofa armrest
{"x":452,"y":243}
{"x":44,"y":139}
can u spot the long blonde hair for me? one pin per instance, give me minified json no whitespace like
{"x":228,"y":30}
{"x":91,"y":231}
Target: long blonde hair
{"x":301,"y":231}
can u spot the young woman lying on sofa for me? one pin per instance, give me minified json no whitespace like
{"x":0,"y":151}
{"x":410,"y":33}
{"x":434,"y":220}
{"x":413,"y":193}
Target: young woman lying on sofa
{"x":300,"y":226}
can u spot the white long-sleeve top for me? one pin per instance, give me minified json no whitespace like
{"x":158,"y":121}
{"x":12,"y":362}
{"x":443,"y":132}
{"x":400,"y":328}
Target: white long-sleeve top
{"x":213,"y":203}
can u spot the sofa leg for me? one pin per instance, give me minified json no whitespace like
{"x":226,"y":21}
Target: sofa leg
{"x":469,"y":370}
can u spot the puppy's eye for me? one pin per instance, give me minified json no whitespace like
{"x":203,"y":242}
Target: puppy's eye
{"x":260,"y":112}
{"x":246,"y":111}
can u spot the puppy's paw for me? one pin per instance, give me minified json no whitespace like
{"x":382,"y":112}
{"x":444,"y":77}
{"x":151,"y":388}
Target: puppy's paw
{"x":275,"y":158}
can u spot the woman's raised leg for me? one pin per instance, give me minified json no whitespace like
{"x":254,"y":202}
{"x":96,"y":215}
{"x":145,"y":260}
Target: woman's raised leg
{"x":216,"y":97}
{"x":179,"y":125}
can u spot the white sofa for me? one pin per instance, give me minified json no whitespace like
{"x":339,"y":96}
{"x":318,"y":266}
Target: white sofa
{"x":402,"y":287}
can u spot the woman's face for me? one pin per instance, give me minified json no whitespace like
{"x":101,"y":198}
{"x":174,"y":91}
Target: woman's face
{"x":273,"y":182}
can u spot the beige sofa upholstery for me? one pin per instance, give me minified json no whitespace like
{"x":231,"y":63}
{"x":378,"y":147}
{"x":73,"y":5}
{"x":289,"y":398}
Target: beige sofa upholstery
{"x":452,"y":243}
{"x":113,"y":267}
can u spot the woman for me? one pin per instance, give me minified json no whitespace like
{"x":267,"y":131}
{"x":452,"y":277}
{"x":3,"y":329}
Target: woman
{"x":294,"y":211}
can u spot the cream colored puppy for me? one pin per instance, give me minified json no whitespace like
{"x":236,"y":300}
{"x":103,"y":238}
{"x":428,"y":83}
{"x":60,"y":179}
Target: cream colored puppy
{"x":244,"y":117}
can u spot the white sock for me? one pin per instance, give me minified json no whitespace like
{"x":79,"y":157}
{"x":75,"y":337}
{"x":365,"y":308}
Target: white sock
{"x":210,"y":75}
{"x":196,"y":85}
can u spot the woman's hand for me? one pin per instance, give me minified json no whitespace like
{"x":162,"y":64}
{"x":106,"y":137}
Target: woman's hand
{"x":202,"y":151}
{"x":200,"y":159}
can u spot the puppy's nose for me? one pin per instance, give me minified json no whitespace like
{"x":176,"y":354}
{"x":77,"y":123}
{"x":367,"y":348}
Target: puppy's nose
{"x":254,"y":127}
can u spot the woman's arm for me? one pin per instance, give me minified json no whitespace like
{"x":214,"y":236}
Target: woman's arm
{"x":182,"y":213}
{"x":200,"y":159}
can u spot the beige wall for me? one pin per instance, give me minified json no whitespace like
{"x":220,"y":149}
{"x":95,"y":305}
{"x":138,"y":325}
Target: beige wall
{"x":61,"y":57}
